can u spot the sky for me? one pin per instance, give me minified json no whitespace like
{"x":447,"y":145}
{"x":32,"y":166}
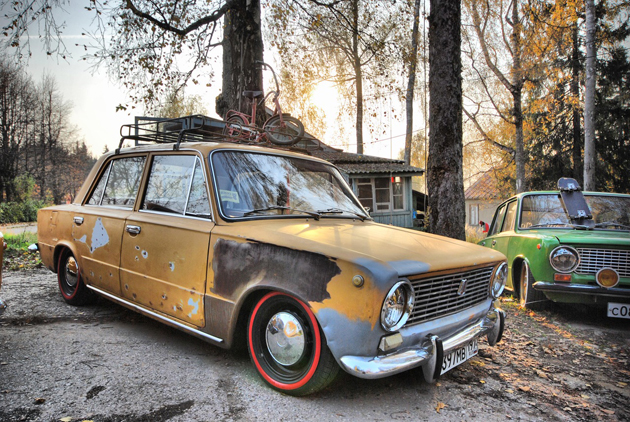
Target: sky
{"x":94,"y":96}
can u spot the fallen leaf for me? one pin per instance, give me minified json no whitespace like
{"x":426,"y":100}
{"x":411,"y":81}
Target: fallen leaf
{"x":482,"y":381}
{"x":621,"y":384}
{"x":440,"y":406}
{"x":541,"y":374}
{"x":524,"y":388}
{"x":568,"y":409}
{"x":509,"y":391}
{"x":40,"y":400}
{"x":66,"y":419}
{"x":609,"y":412}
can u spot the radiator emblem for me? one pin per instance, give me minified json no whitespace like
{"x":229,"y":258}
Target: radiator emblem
{"x":462,"y":287}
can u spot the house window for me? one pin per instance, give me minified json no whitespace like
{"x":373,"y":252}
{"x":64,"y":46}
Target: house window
{"x":473,"y":214}
{"x":381,"y":194}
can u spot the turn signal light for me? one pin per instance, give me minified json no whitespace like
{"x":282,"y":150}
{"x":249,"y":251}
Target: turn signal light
{"x":562,"y":278}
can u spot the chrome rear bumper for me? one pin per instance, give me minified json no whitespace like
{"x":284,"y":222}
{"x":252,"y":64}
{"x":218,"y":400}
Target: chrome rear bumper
{"x":429,"y":354}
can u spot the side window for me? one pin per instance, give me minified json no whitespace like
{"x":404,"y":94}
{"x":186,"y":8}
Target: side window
{"x":498,"y":221}
{"x":119,"y":183}
{"x":176,"y":185}
{"x":198,"y":204}
{"x":510,"y":216}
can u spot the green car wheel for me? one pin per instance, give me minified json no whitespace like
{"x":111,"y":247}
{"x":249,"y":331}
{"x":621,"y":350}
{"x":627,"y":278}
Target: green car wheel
{"x":529,"y":297}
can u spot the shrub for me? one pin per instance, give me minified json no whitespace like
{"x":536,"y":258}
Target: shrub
{"x":19,"y":212}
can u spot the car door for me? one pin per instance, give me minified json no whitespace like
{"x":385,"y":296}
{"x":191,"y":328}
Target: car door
{"x":502,"y":227}
{"x":98,"y":224}
{"x":164,"y":259}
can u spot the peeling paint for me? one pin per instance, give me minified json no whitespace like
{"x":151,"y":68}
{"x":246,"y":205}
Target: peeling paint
{"x":145,"y":254}
{"x":171,"y":265}
{"x":195,"y":306}
{"x":137,"y":247}
{"x":99,"y":235}
{"x":236,"y":264}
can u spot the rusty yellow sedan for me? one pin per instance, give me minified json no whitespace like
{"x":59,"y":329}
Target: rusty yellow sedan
{"x":241,"y":244}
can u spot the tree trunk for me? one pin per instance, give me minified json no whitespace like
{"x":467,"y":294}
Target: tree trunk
{"x":445,"y":174}
{"x":359,"y":74}
{"x":575,"y":92}
{"x":517,"y":93}
{"x":589,"y":99}
{"x":242,"y":47}
{"x":411,"y":83}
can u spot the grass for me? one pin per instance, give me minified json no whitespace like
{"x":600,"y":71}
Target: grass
{"x":17,"y":256}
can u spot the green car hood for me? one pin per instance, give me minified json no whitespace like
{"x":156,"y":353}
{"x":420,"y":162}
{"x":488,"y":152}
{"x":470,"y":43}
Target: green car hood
{"x":592,"y":237}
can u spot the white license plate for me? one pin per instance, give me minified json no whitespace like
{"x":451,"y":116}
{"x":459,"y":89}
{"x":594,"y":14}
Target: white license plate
{"x":618,"y":310}
{"x":459,"y":355}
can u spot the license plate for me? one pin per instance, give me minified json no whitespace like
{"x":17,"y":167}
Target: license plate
{"x":459,"y":355}
{"x":618,"y":310}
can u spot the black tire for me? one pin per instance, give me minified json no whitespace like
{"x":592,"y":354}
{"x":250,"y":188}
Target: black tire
{"x":306,"y":365}
{"x":286,"y":132}
{"x":234,"y":126}
{"x":529,"y":297}
{"x":71,"y":286}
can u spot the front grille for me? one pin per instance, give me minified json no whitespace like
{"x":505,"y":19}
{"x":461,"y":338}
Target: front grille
{"x":593,"y":260}
{"x":436,"y":297}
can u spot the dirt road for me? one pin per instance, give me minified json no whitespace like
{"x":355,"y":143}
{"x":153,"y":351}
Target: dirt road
{"x":104,"y":363}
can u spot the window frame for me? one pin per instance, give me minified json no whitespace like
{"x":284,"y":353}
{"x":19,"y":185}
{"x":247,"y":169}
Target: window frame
{"x":106,"y":173}
{"x":197,"y":158}
{"x":360,"y":181}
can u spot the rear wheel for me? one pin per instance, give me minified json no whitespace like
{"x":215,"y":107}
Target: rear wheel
{"x":287,"y":131}
{"x":71,"y":286}
{"x":529,"y":297}
{"x":234,"y":125}
{"x":287,"y":346}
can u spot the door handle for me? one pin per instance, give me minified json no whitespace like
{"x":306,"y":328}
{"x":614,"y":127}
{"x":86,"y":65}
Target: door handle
{"x":78,"y":220}
{"x":133,"y":229}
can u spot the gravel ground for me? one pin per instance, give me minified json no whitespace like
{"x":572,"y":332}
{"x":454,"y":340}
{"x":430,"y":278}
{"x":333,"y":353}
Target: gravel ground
{"x":105,"y":363}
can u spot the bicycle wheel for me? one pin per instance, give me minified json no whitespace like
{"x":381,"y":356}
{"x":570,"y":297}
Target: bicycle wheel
{"x":287,"y":131}
{"x":234,"y":126}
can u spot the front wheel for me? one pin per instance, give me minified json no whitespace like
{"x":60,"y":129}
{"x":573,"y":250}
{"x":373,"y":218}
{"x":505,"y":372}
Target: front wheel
{"x":71,"y":286}
{"x":287,"y":131}
{"x":529,"y":297}
{"x":287,"y":346}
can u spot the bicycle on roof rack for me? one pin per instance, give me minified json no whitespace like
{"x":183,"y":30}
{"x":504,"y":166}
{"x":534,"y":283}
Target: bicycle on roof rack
{"x":280,"y":128}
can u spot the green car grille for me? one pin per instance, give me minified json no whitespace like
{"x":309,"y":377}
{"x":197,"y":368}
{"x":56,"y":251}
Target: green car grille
{"x":593,"y":260}
{"x":439,"y":296}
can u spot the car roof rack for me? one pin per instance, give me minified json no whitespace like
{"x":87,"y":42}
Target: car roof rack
{"x":193,"y":128}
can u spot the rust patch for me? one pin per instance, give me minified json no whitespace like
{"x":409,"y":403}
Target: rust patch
{"x":236,"y":264}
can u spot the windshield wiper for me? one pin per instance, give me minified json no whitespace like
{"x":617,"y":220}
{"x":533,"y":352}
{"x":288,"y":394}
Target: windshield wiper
{"x":315,"y":215}
{"x":551,"y":225}
{"x":340,"y":211}
{"x":613,"y":224}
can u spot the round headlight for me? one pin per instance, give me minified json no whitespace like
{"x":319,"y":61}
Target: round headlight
{"x":607,"y":277}
{"x":564,"y":259}
{"x":498,"y":281}
{"x":397,"y":306}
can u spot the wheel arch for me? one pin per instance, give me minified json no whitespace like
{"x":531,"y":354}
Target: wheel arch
{"x":57,"y":252}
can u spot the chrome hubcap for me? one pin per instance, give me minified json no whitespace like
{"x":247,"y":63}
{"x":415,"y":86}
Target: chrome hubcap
{"x":72,"y":272}
{"x":285,"y":338}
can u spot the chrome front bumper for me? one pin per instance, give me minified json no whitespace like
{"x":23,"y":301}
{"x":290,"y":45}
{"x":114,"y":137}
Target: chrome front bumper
{"x":581,"y":289}
{"x":429,"y":354}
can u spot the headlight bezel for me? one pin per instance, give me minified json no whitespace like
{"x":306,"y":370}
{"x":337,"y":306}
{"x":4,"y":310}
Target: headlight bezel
{"x":572,"y":251}
{"x":406,"y":304}
{"x":501,"y":271}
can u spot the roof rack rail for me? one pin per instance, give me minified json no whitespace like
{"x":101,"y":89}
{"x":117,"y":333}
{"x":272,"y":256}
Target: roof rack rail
{"x":193,"y":128}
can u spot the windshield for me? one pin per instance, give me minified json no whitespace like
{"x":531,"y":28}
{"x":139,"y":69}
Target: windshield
{"x":253,"y":184}
{"x":547,"y":211}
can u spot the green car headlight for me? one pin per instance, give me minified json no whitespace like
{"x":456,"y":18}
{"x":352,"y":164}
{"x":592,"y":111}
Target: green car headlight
{"x":564,"y":259}
{"x":397,"y":306}
{"x":498,"y":281}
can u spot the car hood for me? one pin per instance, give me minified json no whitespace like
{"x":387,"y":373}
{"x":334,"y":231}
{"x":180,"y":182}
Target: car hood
{"x":366,"y":243}
{"x":593,"y":237}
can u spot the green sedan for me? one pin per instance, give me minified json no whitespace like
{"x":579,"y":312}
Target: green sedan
{"x":566,"y":246}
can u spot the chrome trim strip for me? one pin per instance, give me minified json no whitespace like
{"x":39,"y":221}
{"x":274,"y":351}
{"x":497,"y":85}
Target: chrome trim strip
{"x":581,"y":289}
{"x":373,"y":367}
{"x":155,"y":315}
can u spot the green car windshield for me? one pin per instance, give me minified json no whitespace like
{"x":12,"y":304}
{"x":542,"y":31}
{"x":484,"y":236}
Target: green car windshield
{"x":547,"y":211}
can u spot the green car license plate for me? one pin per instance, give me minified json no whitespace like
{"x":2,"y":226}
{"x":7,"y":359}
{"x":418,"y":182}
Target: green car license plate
{"x":618,"y":310}
{"x":459,"y":355}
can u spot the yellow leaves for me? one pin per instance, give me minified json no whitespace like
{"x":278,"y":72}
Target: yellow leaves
{"x":440,"y":406}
